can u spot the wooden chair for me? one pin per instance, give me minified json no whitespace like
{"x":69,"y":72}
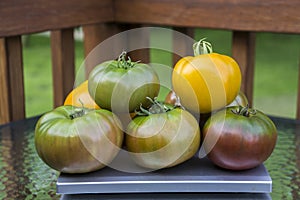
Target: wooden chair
{"x":102,"y":19}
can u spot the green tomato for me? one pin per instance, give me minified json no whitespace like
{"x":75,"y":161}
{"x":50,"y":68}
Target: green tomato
{"x":121,"y":86}
{"x":164,"y":139}
{"x":239,"y":138}
{"x":78,"y":140}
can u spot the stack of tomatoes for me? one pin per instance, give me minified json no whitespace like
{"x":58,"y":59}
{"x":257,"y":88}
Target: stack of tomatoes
{"x":117,"y":108}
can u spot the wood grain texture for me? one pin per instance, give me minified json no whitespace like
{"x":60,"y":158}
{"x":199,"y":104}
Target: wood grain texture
{"x":12,"y":101}
{"x":243,"y":51}
{"x":28,"y":16}
{"x":63,"y":67}
{"x":138,"y":43}
{"x":4,"y":87}
{"x":94,"y":35}
{"x":246,"y":15}
{"x":19,"y":17}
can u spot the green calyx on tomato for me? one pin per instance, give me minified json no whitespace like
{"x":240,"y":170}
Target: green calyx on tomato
{"x":122,"y":85}
{"x":77,"y":140}
{"x":207,"y":81}
{"x":239,"y":138}
{"x":244,"y":111}
{"x":202,"y":47}
{"x":123,"y":63}
{"x":156,"y":107}
{"x":79,"y":112}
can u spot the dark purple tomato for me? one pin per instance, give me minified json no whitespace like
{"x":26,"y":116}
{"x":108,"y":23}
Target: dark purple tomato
{"x":239,"y":138}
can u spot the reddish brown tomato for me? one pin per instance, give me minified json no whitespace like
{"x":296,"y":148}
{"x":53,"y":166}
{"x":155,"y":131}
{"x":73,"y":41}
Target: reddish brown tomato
{"x":239,"y":138}
{"x":172,"y":98}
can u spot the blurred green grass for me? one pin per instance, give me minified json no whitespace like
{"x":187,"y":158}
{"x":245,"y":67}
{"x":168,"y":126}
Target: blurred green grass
{"x":275,"y":82}
{"x":38,"y":73}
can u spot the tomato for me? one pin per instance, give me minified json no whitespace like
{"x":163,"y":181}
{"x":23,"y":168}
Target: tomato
{"x":172,"y":98}
{"x":165,"y":137}
{"x":207,"y":81}
{"x":239,"y":138}
{"x":77,"y":140}
{"x":240,"y":100}
{"x":80,"y":96}
{"x":122,"y":85}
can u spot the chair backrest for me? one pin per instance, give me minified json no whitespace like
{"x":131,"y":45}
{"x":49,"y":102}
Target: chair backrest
{"x":102,"y":19}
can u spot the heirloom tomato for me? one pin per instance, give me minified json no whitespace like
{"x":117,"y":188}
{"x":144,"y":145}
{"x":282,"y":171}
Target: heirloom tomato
{"x":164,"y":137}
{"x":76,"y":140}
{"x":207,"y":81}
{"x":80,"y":96}
{"x":172,"y":98}
{"x":239,"y":138}
{"x":122,"y":85}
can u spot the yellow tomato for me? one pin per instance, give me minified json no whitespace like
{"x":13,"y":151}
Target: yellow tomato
{"x":206,"y":82}
{"x":80,"y":96}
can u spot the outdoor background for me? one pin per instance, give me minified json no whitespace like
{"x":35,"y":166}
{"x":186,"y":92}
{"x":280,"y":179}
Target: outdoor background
{"x":275,"y":81}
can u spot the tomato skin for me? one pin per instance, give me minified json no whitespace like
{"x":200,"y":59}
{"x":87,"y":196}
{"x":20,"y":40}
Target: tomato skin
{"x":243,"y":142}
{"x":163,"y":140}
{"x":108,"y":82}
{"x":172,"y":98}
{"x":80,"y":96}
{"x":206,"y":82}
{"x":83,"y":144}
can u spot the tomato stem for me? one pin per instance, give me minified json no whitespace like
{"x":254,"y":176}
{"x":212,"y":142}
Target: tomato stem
{"x":202,"y":47}
{"x":81,"y":102}
{"x":245,"y":111}
{"x":155,"y":108}
{"x":123,"y":63}
{"x":78,"y":112}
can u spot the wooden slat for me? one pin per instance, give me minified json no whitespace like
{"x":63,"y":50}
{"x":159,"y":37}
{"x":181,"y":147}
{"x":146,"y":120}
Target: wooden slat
{"x":182,"y":45}
{"x":246,"y":15}
{"x":243,"y":51}
{"x":12,"y":101}
{"x":4,"y":87}
{"x":27,"y":16}
{"x":138,"y":43}
{"x":63,"y":67}
{"x":93,"y":36}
